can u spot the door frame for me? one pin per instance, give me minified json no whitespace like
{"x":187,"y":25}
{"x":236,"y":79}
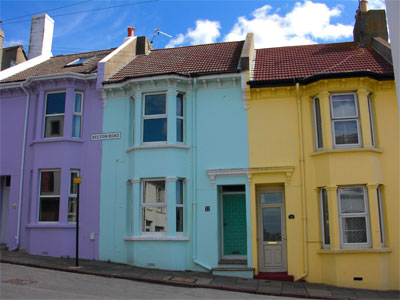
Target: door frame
{"x":4,"y":207}
{"x":264,"y":190}
{"x":230,"y":257}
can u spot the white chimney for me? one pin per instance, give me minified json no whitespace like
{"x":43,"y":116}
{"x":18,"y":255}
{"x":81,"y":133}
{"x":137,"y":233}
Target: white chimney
{"x":42,"y":27}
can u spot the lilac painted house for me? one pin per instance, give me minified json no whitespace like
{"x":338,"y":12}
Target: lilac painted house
{"x":49,"y":111}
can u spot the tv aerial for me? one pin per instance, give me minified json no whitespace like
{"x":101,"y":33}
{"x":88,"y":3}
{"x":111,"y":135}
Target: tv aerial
{"x":158,"y":32}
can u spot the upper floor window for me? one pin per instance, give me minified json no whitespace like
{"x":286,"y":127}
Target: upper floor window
{"x":372,"y":123}
{"x":155,"y":118}
{"x":49,"y":196}
{"x":354,"y":216}
{"x":54,"y":115}
{"x":179,"y":118}
{"x":77,"y":115}
{"x":319,"y":145}
{"x":345,"y":120}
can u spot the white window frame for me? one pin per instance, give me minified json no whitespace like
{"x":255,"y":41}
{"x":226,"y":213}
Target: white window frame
{"x":133,"y":120}
{"x":53,"y":115}
{"x":155,"y":205}
{"x":48,"y":196}
{"x":181,"y":233}
{"x":159,"y":116}
{"x":322,"y":217}
{"x":356,"y":118}
{"x":372,"y":123}
{"x":79,"y":114}
{"x":181,"y":118}
{"x":381,"y":216}
{"x":365,"y":214}
{"x":316,"y":125}
{"x":74,"y":196}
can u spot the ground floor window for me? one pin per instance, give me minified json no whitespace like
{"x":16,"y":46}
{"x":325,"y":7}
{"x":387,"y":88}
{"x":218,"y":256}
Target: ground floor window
{"x":72,"y":199}
{"x":154,"y":206}
{"x":49,"y":199}
{"x":325,"y":218}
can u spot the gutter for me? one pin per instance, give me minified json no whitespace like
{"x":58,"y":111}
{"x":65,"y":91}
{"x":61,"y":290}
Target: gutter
{"x":303,"y":182}
{"x":17,"y":237}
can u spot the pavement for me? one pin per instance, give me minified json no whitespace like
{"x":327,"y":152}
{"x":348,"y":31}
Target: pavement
{"x":194,"y":279}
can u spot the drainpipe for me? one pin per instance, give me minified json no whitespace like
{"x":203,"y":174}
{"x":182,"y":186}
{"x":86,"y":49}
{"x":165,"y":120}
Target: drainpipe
{"x":22,"y":169}
{"x":303,"y":181}
{"x":194,"y":177}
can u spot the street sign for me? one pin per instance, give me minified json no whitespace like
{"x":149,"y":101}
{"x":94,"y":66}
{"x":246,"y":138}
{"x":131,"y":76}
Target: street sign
{"x":105,"y":136}
{"x":77,"y":179}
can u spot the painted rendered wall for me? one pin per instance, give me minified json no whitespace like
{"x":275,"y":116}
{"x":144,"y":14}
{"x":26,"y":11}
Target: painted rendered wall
{"x":330,"y":168}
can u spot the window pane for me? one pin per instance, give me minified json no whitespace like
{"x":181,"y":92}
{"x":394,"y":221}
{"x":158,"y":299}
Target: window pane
{"x":50,"y":182}
{"x":325,"y":216}
{"x":318,"y":125}
{"x":179,"y":219}
{"x":76,"y":126}
{"x":73,"y":186}
{"x":78,"y":103}
{"x":270,"y":198}
{"x":179,"y":192}
{"x":371,"y":119}
{"x":154,"y":219}
{"x":355,"y":230}
{"x":343,"y":106}
{"x":72,"y":209}
{"x":352,"y":200}
{"x":179,"y":130}
{"x":54,"y":126}
{"x":272,"y":224}
{"x":154,"y":192}
{"x":346,"y":132}
{"x":179,"y":105}
{"x":49,"y":208}
{"x":381,"y":221}
{"x":55,"y":103}
{"x":155,"y":130}
{"x":234,"y":188}
{"x":155,"y":104}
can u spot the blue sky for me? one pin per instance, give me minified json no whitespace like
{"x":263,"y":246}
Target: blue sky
{"x":274,"y":23}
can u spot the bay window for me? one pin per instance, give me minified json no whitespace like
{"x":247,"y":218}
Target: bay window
{"x":154,"y":206}
{"x":179,"y":118}
{"x":77,"y":115}
{"x":49,"y":195}
{"x":155,"y":118}
{"x":179,"y":205}
{"x":54,"y":115}
{"x":324,"y":218}
{"x":319,"y":145}
{"x":73,"y":194}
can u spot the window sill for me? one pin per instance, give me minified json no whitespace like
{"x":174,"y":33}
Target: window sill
{"x":56,"y":140}
{"x":50,"y":225}
{"x":342,"y":150}
{"x":158,"y":146}
{"x":354,"y":251}
{"x":156,"y":238}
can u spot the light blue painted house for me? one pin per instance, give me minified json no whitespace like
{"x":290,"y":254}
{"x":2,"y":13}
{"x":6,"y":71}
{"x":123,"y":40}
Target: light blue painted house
{"x":174,"y":186}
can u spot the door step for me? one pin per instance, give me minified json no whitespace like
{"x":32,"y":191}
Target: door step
{"x":279,"y":276}
{"x":243,"y":272}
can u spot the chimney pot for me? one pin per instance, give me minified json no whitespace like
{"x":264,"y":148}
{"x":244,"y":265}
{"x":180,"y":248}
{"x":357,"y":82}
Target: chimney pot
{"x":131,"y":31}
{"x":363,"y":5}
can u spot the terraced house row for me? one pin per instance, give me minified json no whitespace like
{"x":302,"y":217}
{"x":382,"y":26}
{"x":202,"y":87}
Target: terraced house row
{"x":279,"y":163}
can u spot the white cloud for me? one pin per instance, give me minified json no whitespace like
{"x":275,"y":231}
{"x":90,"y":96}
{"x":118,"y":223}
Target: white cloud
{"x":376,"y":4}
{"x":304,"y":24}
{"x":206,"y":32}
{"x":12,"y":43}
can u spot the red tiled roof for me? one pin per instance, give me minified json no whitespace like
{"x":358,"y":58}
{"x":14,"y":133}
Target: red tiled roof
{"x":57,"y":64}
{"x":300,"y":62}
{"x":219,"y":57}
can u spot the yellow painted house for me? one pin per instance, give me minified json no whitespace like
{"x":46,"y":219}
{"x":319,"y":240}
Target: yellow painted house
{"x":324,"y":162}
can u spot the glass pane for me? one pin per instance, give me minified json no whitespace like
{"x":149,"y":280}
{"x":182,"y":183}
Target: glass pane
{"x":380,"y":210}
{"x":179,"y":219}
{"x":73,"y":186}
{"x":343,"y":106}
{"x":179,"y":130}
{"x":352,"y":200}
{"x":78,"y":103}
{"x":234,"y":188}
{"x":154,"y":219}
{"x":271,"y":198}
{"x":179,"y":192}
{"x":272,"y":224}
{"x":76,"y":126}
{"x":154,"y":192}
{"x":371,"y":120}
{"x":50,"y":182}
{"x":179,"y":105}
{"x":155,"y":104}
{"x":318,"y":124}
{"x":155,"y":130}
{"x":55,"y":103}
{"x":72,"y":209}
{"x":49,"y":208}
{"x":355,"y":230}
{"x":346,"y":132}
{"x":54,"y":126}
{"x":325,"y":216}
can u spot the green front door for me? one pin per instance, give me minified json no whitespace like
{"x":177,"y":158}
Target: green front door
{"x":234,"y":225}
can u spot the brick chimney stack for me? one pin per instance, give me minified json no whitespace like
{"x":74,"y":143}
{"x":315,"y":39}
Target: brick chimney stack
{"x":41,"y":38}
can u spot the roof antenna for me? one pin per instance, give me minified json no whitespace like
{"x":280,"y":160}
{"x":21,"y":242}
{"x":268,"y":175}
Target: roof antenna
{"x":157,"y":32}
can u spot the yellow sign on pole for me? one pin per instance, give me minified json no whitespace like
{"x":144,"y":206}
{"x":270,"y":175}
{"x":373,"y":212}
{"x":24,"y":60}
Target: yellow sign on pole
{"x":77,"y":180}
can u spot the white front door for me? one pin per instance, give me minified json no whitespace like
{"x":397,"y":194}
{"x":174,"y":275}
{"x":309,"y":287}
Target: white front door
{"x":271,"y":230}
{"x":5,"y":195}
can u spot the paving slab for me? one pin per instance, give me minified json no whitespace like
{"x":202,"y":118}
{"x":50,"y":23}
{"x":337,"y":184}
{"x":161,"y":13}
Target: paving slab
{"x":313,"y":292}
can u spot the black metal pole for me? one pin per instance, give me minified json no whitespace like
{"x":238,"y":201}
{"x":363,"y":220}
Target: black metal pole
{"x":77,"y":227}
